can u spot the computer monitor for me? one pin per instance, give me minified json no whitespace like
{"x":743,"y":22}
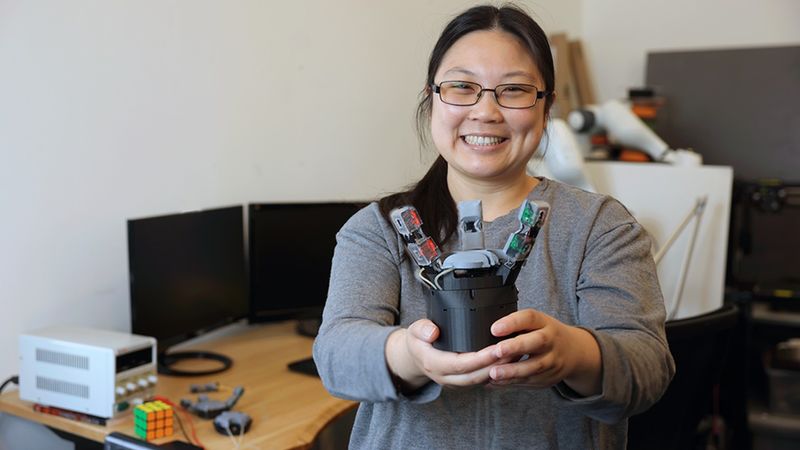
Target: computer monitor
{"x":290,"y":250}
{"x":709,"y":108}
{"x":188,"y":276}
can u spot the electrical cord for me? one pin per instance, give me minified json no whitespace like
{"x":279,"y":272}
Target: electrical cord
{"x":176,"y":408}
{"x":183,"y":429}
{"x":238,"y":442}
{"x":440,"y":275}
{"x":165,"y":362}
{"x":14,"y":379}
{"x":419,"y":275}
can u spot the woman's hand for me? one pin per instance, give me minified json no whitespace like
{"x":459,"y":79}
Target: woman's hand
{"x":412,"y":358}
{"x":555,"y":352}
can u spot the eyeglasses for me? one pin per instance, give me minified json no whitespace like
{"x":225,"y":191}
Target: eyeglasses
{"x":511,"y":95}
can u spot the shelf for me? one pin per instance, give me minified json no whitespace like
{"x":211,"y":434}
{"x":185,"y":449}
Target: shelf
{"x":763,"y":314}
{"x":775,"y":423}
{"x":772,"y":431}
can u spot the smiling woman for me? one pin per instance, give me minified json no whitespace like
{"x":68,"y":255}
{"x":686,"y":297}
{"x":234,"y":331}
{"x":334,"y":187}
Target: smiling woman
{"x":585,"y":350}
{"x":481,"y":140}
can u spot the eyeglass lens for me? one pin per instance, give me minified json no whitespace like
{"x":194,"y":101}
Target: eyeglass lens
{"x":463,"y":93}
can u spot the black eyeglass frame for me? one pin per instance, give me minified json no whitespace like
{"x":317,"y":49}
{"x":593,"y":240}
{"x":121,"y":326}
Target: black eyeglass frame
{"x":437,"y":89}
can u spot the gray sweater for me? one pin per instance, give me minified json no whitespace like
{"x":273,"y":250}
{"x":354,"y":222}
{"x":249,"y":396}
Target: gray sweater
{"x":591,"y":267}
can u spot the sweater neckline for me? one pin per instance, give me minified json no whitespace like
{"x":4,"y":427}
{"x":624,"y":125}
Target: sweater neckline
{"x":536,"y":192}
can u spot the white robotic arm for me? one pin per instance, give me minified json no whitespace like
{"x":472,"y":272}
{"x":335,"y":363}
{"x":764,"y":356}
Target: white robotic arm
{"x":625,"y":128}
{"x":559,"y":156}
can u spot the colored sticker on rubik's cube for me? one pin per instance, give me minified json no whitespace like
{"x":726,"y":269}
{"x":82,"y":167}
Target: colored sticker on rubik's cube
{"x":153,"y":420}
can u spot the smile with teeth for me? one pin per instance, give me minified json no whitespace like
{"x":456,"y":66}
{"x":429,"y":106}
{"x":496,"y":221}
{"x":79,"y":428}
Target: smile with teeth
{"x":482,"y":140}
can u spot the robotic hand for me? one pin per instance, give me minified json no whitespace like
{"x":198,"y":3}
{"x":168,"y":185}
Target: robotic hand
{"x":471,"y":288}
{"x":439,"y":270}
{"x":623,"y":127}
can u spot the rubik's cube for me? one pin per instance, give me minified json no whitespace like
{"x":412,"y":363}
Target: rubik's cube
{"x":153,"y":420}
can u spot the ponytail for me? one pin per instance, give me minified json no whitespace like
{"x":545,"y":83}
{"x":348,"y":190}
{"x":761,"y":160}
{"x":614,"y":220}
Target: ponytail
{"x":432,"y":199}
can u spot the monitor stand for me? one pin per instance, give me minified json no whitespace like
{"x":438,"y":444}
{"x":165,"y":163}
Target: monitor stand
{"x":167,"y":360}
{"x":309,"y":327}
{"x":306,"y":366}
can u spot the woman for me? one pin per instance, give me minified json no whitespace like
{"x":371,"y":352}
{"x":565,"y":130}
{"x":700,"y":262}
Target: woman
{"x":588,"y":347}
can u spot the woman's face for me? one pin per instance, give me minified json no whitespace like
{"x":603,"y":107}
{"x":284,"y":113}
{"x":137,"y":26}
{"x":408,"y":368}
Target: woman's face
{"x":485,"y":141}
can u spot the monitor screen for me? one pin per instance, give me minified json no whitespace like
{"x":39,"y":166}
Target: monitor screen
{"x":759,"y":137}
{"x":291,"y":247}
{"x":188,"y":273}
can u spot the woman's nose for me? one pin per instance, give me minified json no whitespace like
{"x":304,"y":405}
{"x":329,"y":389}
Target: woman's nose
{"x":486,"y":109}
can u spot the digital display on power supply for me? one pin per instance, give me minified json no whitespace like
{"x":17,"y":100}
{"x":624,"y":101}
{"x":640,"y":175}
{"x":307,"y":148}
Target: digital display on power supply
{"x":133,"y":359}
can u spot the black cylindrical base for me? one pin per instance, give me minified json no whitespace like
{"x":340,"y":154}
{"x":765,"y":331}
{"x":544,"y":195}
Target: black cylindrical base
{"x":464,"y":317}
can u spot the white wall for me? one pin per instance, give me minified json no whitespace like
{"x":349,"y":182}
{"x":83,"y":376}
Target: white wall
{"x":118,"y":109}
{"x":126,"y":108}
{"x":617,"y":34}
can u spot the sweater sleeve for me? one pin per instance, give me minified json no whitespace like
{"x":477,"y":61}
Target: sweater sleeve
{"x":361,"y":311}
{"x":620,"y":303}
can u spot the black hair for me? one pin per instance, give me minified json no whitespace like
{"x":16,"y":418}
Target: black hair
{"x":430,"y":195}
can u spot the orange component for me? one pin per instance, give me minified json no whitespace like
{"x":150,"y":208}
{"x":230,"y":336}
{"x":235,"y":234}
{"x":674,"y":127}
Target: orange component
{"x":645,"y":111}
{"x":631,"y":155}
{"x":599,"y":139}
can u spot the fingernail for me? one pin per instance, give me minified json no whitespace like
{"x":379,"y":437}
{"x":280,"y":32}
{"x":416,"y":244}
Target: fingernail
{"x":498,"y":373}
{"x":427,"y":331}
{"x":498,"y":352}
{"x":498,"y":328}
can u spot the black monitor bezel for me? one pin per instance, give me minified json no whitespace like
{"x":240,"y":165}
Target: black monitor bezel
{"x":256,"y":313}
{"x":165,"y":343}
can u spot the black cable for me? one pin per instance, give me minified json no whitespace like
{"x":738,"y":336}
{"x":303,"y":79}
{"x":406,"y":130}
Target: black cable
{"x":165,"y":362}
{"x":14,"y":379}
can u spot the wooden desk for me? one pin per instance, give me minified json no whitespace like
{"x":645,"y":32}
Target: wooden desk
{"x":288,"y":409}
